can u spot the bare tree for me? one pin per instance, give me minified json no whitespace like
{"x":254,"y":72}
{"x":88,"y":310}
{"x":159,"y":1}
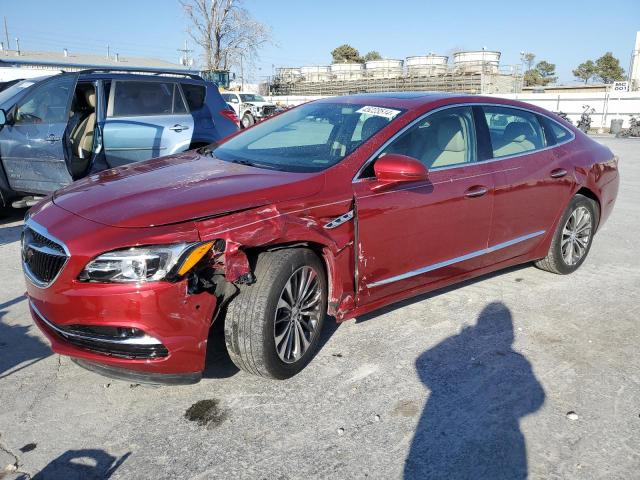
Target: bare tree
{"x":226,"y":32}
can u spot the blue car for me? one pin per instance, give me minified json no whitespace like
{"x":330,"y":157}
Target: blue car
{"x":54,"y":130}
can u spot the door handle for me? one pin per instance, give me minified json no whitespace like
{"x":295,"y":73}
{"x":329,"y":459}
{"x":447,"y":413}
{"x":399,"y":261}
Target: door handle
{"x":179,"y":128}
{"x":52,"y":138}
{"x":558,"y":173}
{"x":476,"y":191}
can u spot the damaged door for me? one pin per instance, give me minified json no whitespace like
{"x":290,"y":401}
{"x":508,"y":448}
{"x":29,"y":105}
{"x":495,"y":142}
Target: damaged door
{"x":33,"y":148}
{"x":418,"y":233}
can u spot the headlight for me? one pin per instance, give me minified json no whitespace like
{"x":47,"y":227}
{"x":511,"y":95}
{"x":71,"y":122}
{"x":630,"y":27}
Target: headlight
{"x":144,"y":264}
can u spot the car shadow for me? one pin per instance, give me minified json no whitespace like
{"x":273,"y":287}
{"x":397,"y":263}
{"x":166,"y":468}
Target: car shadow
{"x":440,"y":291}
{"x":218,"y":364}
{"x":86,"y":464}
{"x":480,"y":388}
{"x":18,"y":349}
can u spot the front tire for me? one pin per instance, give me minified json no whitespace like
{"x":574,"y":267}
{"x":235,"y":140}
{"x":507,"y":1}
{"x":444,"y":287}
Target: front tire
{"x":573,"y":237}
{"x":272,"y":328}
{"x":247,"y":120}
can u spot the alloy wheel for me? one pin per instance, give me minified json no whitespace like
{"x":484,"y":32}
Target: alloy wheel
{"x":576,"y":235}
{"x":297,"y":314}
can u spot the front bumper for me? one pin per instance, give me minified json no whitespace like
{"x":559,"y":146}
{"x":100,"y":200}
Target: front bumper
{"x":175,"y":325}
{"x":156,"y":330}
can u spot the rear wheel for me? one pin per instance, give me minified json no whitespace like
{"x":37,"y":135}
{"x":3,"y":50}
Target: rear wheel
{"x":573,"y":237}
{"x":272,"y":328}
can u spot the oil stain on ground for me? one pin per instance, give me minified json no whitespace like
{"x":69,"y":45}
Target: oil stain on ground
{"x":206,"y":413}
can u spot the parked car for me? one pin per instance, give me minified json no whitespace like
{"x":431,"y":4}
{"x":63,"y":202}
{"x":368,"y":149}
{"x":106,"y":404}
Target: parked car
{"x":8,"y":83}
{"x":57,"y":129}
{"x":338,"y":206}
{"x":249,"y":107}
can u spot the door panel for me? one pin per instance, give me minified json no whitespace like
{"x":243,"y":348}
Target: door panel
{"x":415,"y":234}
{"x":528,"y":193}
{"x":425,"y":228}
{"x":145,"y":120}
{"x":32,"y":144}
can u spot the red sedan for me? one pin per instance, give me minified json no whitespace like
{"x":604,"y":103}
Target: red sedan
{"x":336,"y":207}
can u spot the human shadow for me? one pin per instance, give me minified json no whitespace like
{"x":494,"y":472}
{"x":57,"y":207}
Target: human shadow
{"x":480,"y":389}
{"x":86,"y":464}
{"x":17,"y":347}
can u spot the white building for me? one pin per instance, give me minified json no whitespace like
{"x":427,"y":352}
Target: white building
{"x":28,"y":64}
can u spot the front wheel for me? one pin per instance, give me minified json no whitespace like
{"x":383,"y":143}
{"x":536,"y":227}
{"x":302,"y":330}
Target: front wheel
{"x":573,"y":237}
{"x":272,"y":328}
{"x":247,"y":120}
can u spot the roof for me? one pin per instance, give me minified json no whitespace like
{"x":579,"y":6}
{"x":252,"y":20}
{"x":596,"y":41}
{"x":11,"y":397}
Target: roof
{"x":395,"y":99}
{"x":84,"y":60}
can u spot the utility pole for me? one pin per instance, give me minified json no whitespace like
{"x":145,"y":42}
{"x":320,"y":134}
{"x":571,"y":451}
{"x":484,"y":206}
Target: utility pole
{"x":6,"y":33}
{"x":241,"y":75}
{"x":186,"y":51}
{"x":108,"y":52}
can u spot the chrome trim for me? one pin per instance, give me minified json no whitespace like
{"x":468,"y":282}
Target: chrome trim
{"x":336,"y":222}
{"x":144,"y":340}
{"x":452,"y":261}
{"x":572,"y":136}
{"x":36,"y":227}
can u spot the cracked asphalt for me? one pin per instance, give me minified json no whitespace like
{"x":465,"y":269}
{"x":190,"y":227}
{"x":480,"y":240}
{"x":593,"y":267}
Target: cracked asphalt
{"x":521,"y":373}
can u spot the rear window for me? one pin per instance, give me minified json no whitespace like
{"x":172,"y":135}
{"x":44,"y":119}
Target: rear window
{"x":135,"y":98}
{"x":194,"y":94}
{"x":559,"y":133}
{"x":513,"y":131}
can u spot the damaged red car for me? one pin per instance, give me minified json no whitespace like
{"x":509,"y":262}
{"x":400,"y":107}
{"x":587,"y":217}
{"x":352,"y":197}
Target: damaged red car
{"x":334,"y":208}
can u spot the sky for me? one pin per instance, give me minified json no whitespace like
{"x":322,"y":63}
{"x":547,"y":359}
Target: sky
{"x":564,"y":32}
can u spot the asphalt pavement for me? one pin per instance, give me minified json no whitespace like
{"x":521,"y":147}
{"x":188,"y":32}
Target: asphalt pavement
{"x":517,"y":373}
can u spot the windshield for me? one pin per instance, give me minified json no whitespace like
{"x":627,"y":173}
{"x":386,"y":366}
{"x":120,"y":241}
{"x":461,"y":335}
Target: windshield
{"x":308,"y":138}
{"x":251,"y":97}
{"x":19,"y":87}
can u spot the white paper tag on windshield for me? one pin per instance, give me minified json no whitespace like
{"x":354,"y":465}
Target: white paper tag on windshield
{"x":379,"y":111}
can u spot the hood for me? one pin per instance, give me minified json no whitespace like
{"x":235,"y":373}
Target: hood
{"x":179,"y":188}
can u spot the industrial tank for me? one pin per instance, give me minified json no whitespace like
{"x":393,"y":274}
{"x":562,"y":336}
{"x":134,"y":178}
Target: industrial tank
{"x":422,"y":65}
{"x":477,"y":61}
{"x":346,"y":71}
{"x":387,"y":68}
{"x":315,"y":73}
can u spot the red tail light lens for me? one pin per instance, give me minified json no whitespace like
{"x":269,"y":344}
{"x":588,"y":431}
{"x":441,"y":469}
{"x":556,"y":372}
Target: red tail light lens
{"x":231,"y":115}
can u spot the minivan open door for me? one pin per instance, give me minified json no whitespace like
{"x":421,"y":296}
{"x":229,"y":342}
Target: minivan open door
{"x":32,"y":142}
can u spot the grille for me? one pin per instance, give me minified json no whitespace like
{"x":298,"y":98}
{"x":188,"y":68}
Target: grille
{"x":42,"y":257}
{"x":268,"y":110}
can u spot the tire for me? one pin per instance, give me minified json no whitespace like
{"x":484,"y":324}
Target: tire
{"x":247,"y":120}
{"x":255,"y":317}
{"x":568,"y":259}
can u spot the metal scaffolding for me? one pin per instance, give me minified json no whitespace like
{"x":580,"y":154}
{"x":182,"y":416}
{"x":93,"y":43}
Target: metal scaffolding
{"x":454,"y":80}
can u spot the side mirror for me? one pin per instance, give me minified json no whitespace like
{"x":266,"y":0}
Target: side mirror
{"x":3,"y":118}
{"x":394,"y":168}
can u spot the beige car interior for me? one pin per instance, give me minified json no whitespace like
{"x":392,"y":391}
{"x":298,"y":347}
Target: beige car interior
{"x":441,"y":141}
{"x":518,"y":137}
{"x":82,"y":124}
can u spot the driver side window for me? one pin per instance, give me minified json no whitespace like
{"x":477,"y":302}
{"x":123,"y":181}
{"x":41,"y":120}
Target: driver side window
{"x":442,"y":139}
{"x":47,"y":104}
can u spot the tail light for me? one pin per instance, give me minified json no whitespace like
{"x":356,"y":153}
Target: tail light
{"x":231,"y":115}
